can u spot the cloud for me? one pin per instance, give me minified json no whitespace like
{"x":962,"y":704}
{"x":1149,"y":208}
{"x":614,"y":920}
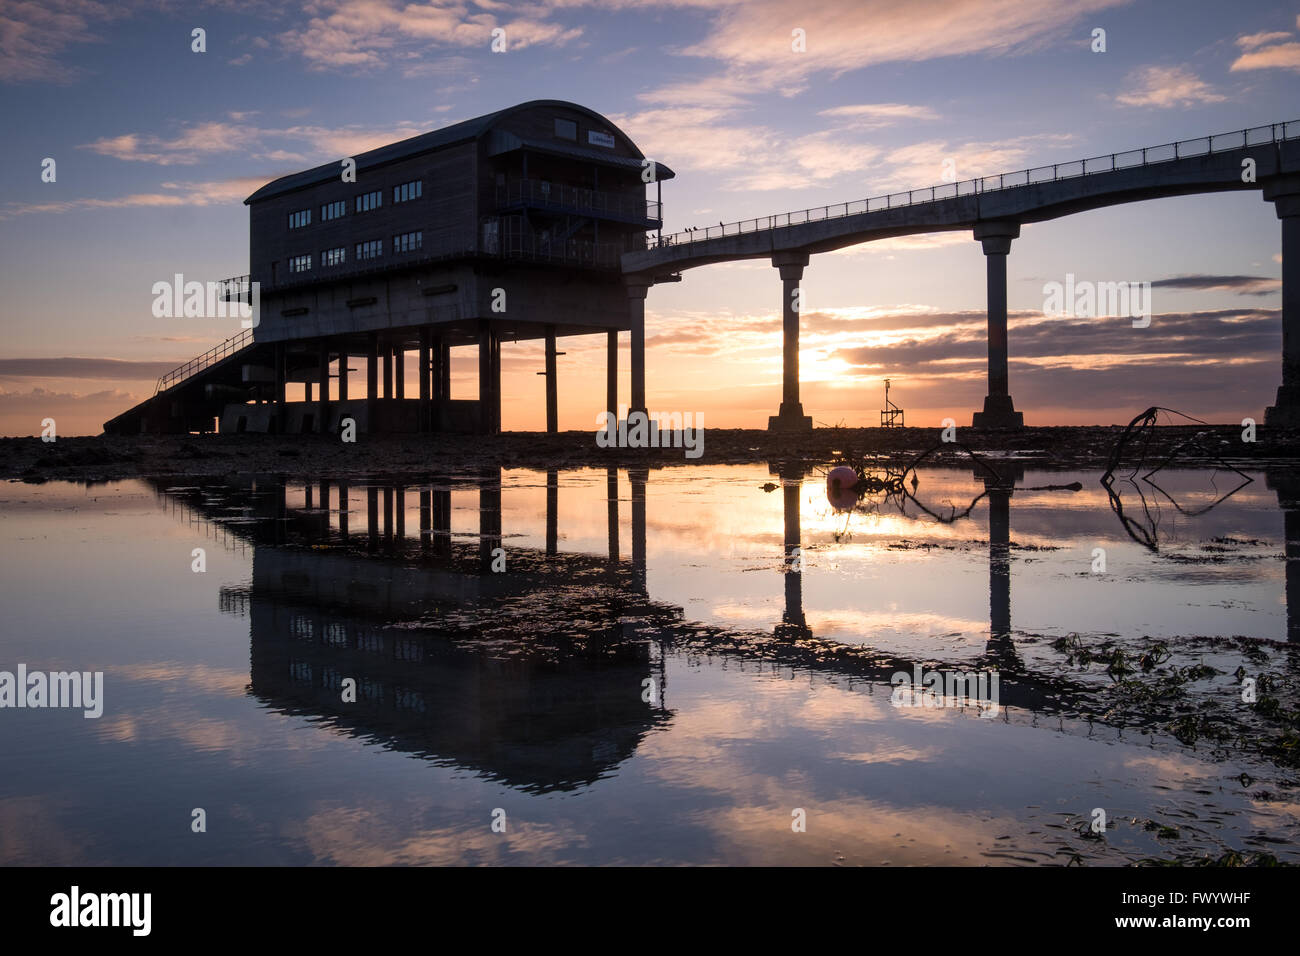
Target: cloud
{"x":879,"y":115}
{"x":369,"y":35}
{"x":1167,"y":86}
{"x":1245,"y":285}
{"x":100,"y":369}
{"x":1277,"y":56}
{"x":212,"y":193}
{"x":34,"y":32}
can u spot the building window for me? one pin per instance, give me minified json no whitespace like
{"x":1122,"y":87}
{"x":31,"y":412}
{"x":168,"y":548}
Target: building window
{"x":333,"y":257}
{"x":408,"y":242}
{"x":369,"y":201}
{"x":300,"y":263}
{"x":370,"y":250}
{"x":566,"y":129}
{"x":299,"y":219}
{"x":408,"y":191}
{"x":332,"y":210}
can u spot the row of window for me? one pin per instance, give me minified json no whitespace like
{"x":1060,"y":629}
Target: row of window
{"x":364,"y":203}
{"x":371,"y":249}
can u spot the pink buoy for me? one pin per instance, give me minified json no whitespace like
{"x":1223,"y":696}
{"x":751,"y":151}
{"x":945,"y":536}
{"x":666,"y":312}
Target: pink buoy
{"x":841,"y":487}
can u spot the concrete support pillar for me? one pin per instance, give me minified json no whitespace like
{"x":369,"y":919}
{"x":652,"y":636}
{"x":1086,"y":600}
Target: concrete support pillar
{"x":444,"y":371}
{"x":611,"y":373}
{"x":322,"y":405}
{"x":343,"y":376}
{"x":636,"y":295}
{"x":399,"y":371}
{"x":1284,"y":194}
{"x":552,"y":393}
{"x":388,"y":371}
{"x":790,"y":416}
{"x":280,"y":415}
{"x":489,"y":379}
{"x":999,"y":412}
{"x":372,"y":383}
{"x":426,"y":410}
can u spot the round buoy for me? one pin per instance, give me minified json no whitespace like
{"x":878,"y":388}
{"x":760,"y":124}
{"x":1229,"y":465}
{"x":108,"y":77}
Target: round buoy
{"x":841,"y":487}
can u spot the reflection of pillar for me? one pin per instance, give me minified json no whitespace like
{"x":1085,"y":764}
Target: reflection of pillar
{"x":325,"y":508}
{"x":388,"y":514}
{"x":999,"y":412}
{"x":611,"y":373}
{"x":793,"y":622}
{"x":489,"y":515}
{"x":552,"y":512}
{"x":426,"y":519}
{"x":400,"y":523}
{"x":1287,"y":487}
{"x":790,"y":416}
{"x":372,"y":517}
{"x":442,"y":522}
{"x":636,"y":296}
{"x":1284,"y":194}
{"x":343,"y":510}
{"x":999,"y":565}
{"x":637,"y":478}
{"x":611,"y":496}
{"x":552,"y":387}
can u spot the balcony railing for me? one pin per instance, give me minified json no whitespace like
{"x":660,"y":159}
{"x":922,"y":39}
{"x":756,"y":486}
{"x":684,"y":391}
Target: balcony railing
{"x":1148,"y":156}
{"x":539,"y":193}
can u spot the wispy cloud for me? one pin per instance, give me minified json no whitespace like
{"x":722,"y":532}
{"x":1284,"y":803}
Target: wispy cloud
{"x":1167,"y":86}
{"x":212,"y":193}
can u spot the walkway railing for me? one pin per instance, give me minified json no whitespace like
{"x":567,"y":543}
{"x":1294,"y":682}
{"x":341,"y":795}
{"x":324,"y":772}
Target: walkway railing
{"x":210,"y":357}
{"x":1148,"y":156}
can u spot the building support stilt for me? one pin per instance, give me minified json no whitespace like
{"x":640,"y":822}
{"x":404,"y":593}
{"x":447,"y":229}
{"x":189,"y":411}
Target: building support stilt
{"x":999,"y":411}
{"x":1284,"y":194}
{"x":552,"y":393}
{"x":790,"y":416}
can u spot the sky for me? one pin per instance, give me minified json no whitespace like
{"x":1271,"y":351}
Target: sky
{"x":156,"y":146}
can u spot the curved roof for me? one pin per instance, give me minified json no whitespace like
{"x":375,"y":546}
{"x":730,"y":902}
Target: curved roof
{"x":461,"y":132}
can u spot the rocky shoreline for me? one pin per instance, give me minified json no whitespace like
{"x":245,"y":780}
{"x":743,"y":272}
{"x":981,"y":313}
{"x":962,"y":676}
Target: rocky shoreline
{"x":109,"y":457}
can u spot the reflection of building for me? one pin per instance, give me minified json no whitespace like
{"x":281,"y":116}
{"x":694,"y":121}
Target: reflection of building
{"x":536,"y":724}
{"x":360,"y":601}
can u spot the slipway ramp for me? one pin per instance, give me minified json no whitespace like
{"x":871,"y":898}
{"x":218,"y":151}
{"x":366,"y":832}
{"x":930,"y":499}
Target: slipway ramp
{"x":190,"y":398}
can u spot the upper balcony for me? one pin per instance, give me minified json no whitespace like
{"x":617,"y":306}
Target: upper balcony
{"x":574,"y":200}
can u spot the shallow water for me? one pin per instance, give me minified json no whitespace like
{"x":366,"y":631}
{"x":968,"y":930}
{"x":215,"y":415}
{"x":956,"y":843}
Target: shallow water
{"x":672,"y":686}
